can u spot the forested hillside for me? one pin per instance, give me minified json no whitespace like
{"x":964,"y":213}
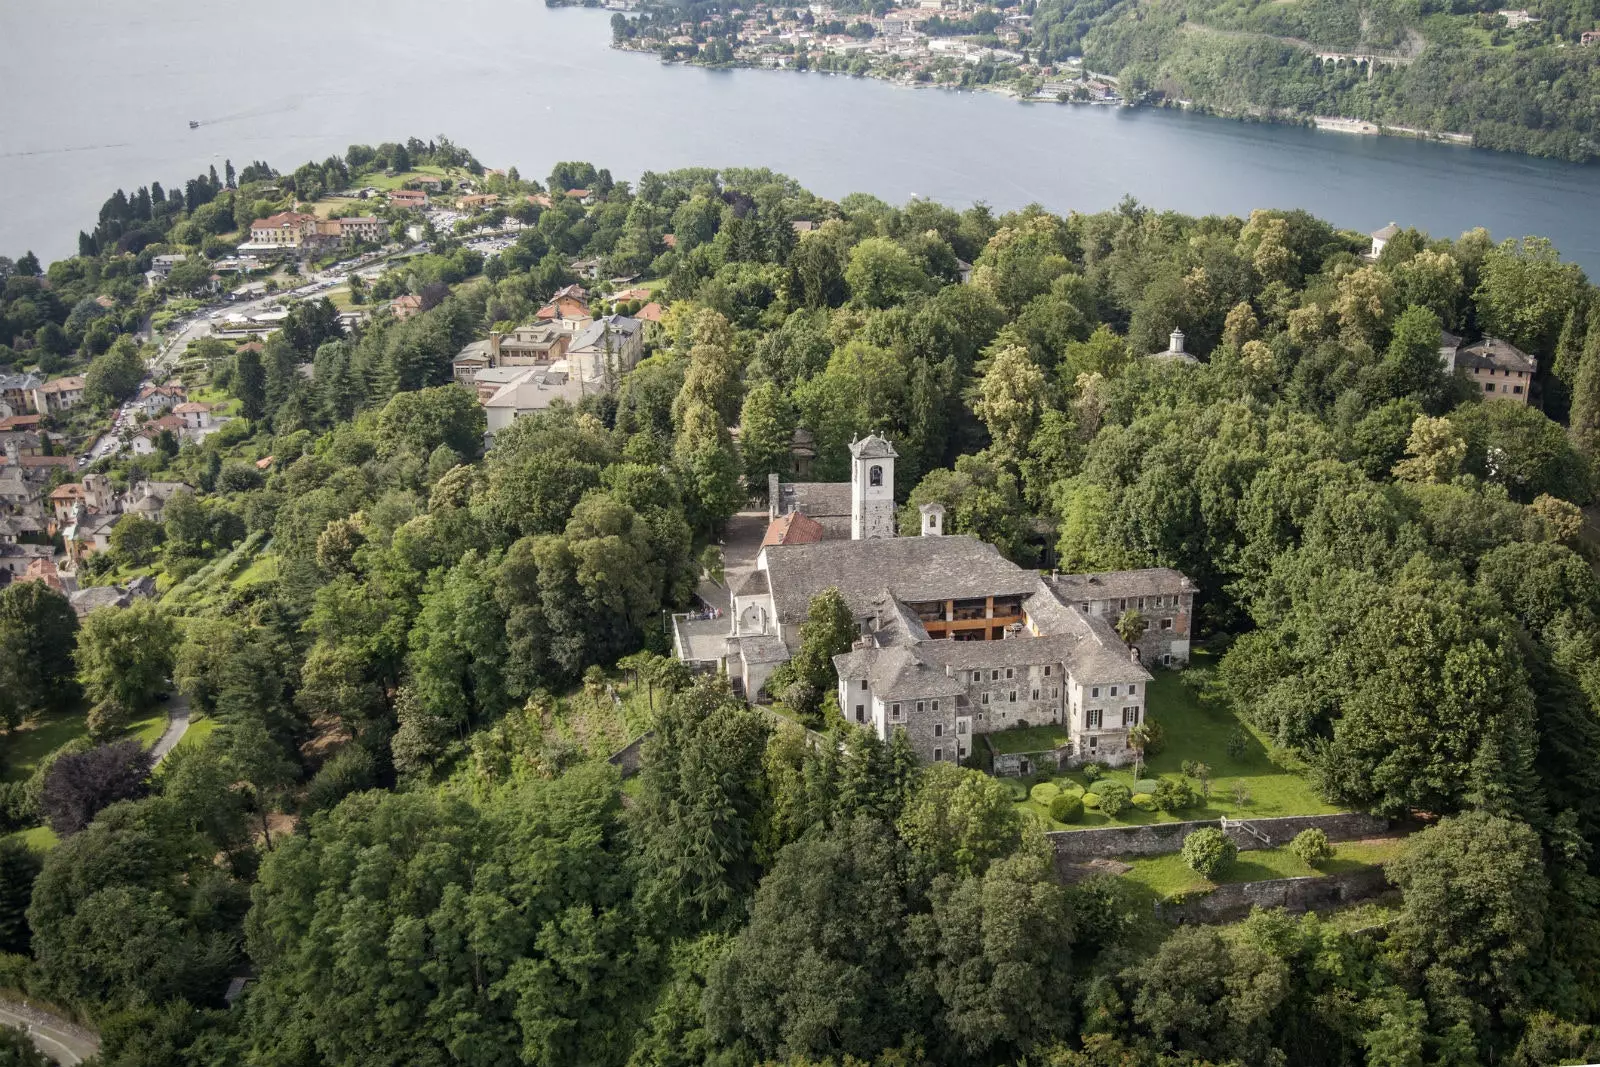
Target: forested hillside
{"x":418,"y":652}
{"x":1456,"y":68}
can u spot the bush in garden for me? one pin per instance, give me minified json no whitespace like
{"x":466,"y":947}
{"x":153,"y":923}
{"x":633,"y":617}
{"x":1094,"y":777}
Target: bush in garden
{"x":1144,"y":802}
{"x":1091,"y":800}
{"x":1066,"y":808}
{"x":1045,"y":792}
{"x":1155,"y":738}
{"x":1208,"y":851}
{"x":1146,"y":785}
{"x":1114,"y":797}
{"x":1238,"y":743}
{"x":1093,"y":771}
{"x":1174,"y":794}
{"x":1312,"y":847}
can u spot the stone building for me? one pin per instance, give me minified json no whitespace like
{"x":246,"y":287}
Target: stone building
{"x":954,"y":639}
{"x":1501,"y":370}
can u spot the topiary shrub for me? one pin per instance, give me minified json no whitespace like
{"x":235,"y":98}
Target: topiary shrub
{"x":1093,"y":771}
{"x":1091,"y":801}
{"x":1144,"y":802}
{"x":1147,"y":785}
{"x":1208,"y":851}
{"x":1045,"y":792}
{"x":1114,"y":797}
{"x":1174,"y":794}
{"x":1068,"y":786}
{"x":1312,"y":847}
{"x":1066,"y":808}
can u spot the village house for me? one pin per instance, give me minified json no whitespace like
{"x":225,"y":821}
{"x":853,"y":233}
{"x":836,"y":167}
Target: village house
{"x":609,"y":348}
{"x":144,"y":442}
{"x":1589,"y":37}
{"x":1381,"y":238}
{"x":477,"y":202}
{"x":194,"y":416}
{"x":1501,"y":370}
{"x":405,"y":306}
{"x":568,"y":308}
{"x":154,"y":399}
{"x":285,"y":230}
{"x":367,"y":229}
{"x":17,"y":394}
{"x":59,"y":394}
{"x":408,"y":198}
{"x":537,"y":342}
{"x":953,"y":639}
{"x":525,"y":390}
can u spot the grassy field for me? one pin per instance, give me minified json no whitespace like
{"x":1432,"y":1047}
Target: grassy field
{"x":36,"y":740}
{"x":1200,"y":732}
{"x":387,"y":182}
{"x":40,"y":838}
{"x":1168,"y":876}
{"x":1028,"y":739}
{"x":264,"y":568}
{"x":199,"y":730}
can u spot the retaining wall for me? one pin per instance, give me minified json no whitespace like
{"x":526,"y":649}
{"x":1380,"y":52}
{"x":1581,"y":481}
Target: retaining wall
{"x":1159,"y":838}
{"x":1229,"y":902}
{"x":631,"y":756}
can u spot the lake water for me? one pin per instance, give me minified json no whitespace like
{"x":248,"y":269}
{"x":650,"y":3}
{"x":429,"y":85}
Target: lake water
{"x":99,"y":95}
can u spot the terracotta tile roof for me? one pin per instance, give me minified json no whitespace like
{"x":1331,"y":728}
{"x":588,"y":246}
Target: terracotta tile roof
{"x":63,"y":385}
{"x":38,"y":462}
{"x":670,"y":240}
{"x":190,"y":407}
{"x":70,"y":491}
{"x":20,"y":422}
{"x":795,"y":528}
{"x":651,"y":312}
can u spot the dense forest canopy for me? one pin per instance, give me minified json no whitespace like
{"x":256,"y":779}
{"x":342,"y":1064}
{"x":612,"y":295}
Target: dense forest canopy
{"x":404,"y":828}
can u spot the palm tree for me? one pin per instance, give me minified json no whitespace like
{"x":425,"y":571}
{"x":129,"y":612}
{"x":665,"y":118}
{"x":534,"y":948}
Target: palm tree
{"x":1131,"y":627}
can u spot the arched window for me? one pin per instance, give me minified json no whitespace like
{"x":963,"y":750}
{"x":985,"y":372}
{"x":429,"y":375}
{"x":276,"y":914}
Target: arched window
{"x":875,"y":475}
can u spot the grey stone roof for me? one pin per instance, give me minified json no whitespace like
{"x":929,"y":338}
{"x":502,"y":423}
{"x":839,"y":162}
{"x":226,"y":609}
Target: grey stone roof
{"x":98,"y":596}
{"x":1387,"y":232}
{"x":760,"y":648}
{"x":477,"y":350}
{"x":26,"y":551}
{"x":1114,"y":585}
{"x":755,"y":584}
{"x":913,"y":569}
{"x":620,"y":327}
{"x":872,"y":447}
{"x":816,"y":499}
{"x":1498,"y":354}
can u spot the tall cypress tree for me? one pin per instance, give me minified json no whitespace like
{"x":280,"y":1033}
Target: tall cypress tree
{"x":1585,"y":422}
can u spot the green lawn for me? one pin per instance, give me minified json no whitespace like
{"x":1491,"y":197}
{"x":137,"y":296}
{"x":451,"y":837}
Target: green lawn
{"x":263,"y":568}
{"x":199,"y":730}
{"x":147,"y":731}
{"x":1028,"y":739}
{"x":379,"y":180}
{"x":40,"y":838}
{"x":1168,"y":876}
{"x":37,"y":739}
{"x":1200,"y":732}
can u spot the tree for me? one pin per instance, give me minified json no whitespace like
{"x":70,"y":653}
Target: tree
{"x":79,"y":784}
{"x":185,"y":524}
{"x":766,"y":433}
{"x":19,"y":867}
{"x":38,"y":630}
{"x":428,"y":418}
{"x":696,"y":819}
{"x":1474,"y":895}
{"x":136,"y":539}
{"x":258,"y":760}
{"x":1311,"y":847}
{"x":1524,"y":293}
{"x":1435,"y":452}
{"x":882,"y":274}
{"x":958,"y":821}
{"x":249,"y":382}
{"x":1208,"y":851}
{"x":124,"y":656}
{"x":1411,"y":362}
{"x":829,"y":631}
{"x":17,"y":1050}
{"x":1131,"y":626}
{"x":1585,"y":421}
{"x":1011,"y":400}
{"x":114,"y":375}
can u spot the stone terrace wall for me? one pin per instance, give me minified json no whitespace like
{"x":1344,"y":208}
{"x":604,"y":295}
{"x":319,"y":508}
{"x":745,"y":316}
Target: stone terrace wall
{"x":1229,"y":902}
{"x":631,"y":757}
{"x":1159,"y":838}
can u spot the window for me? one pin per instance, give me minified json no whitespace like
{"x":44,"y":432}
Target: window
{"x":938,"y":755}
{"x":875,"y":475}
{"x":919,"y":707}
{"x":994,"y":676}
{"x":1010,"y":674}
{"x":1517,"y":389}
{"x":1141,"y":603}
{"x":1166,"y":624}
{"x":1113,"y":690}
{"x":977,"y":676}
{"x":1130,"y":716}
{"x":861,"y":713}
{"x":863,"y":683}
{"x":961,"y":726}
{"x":935,"y":705}
{"x":1122,"y":605}
{"x":1092,"y":718}
{"x":894,"y":711}
{"x":1036,"y":694}
{"x":1095,"y":693}
{"x":938,"y":729}
{"x":1094,"y":743}
{"x":1084,"y":607}
{"x":1055,"y":692}
{"x":986,"y":698}
{"x":1012,"y":697}
{"x":1047,"y":670}
{"x":1488,"y":387}
{"x":1131,"y":689}
{"x":1166,"y":659}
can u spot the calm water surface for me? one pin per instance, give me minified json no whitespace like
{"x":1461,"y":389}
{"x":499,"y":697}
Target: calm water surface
{"x":99,"y":95}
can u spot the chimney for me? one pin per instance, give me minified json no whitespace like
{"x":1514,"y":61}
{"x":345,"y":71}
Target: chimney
{"x":774,"y":505}
{"x":949,"y":671}
{"x":1175,"y":343}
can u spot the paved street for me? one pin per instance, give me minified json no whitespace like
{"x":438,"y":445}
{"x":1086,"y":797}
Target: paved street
{"x":61,"y":1040}
{"x":177,"y":726}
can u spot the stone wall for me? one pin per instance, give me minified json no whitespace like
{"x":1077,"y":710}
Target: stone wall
{"x":1159,"y":838}
{"x":1227,"y":903}
{"x":631,"y":757}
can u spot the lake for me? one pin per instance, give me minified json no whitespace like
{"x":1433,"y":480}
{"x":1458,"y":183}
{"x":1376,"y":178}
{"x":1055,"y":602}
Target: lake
{"x":100,"y":96}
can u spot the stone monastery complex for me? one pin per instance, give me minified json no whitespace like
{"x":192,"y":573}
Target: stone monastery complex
{"x":955,"y":640}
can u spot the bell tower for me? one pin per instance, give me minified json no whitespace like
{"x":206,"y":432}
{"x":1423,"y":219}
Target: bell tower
{"x":871,"y":488}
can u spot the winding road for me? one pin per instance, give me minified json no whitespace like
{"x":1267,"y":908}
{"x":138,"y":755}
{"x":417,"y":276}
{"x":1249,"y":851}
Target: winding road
{"x":61,"y":1039}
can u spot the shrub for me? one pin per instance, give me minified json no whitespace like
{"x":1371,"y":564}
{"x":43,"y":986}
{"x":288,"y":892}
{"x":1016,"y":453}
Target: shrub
{"x":1155,"y":738}
{"x":1312,"y":847}
{"x":1144,"y":802}
{"x":1174,"y":794}
{"x":1238,"y":743}
{"x":1208,"y":851}
{"x":1147,"y":785}
{"x":1092,"y":771}
{"x":1091,"y":800}
{"x":79,"y":784}
{"x":1069,"y":787}
{"x":1114,"y":797}
{"x":350,"y":771}
{"x":1017,"y":787}
{"x":1066,"y":808}
{"x":1045,"y":792}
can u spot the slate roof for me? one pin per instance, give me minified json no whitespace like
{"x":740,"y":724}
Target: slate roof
{"x":755,"y":584}
{"x":1114,"y":585}
{"x":872,"y":447}
{"x":913,"y":569}
{"x":816,"y":499}
{"x":594,"y":335}
{"x":1391,"y":230}
{"x":1498,"y":354}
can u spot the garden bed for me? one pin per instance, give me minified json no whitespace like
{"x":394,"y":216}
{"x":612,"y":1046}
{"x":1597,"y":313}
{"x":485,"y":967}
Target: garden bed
{"x":1169,"y":876}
